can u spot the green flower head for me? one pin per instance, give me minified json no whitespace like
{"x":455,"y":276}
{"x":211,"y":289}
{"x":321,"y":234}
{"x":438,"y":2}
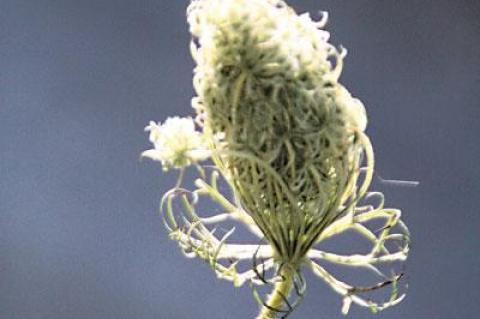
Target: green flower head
{"x":291,"y":161}
{"x":291,"y":133}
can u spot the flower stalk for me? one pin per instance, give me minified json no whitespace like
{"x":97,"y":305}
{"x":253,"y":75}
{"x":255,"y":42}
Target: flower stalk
{"x":279,"y":296}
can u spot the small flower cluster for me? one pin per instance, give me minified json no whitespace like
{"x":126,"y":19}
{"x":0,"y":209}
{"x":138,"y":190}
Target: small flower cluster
{"x":176,"y":143}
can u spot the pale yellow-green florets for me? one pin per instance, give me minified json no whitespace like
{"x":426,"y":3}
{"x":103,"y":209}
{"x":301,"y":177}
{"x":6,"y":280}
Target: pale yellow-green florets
{"x":267,"y":82}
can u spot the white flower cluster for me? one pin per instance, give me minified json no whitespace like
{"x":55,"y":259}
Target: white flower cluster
{"x":176,"y":143}
{"x":267,"y":81}
{"x":274,"y":45}
{"x":298,"y":36}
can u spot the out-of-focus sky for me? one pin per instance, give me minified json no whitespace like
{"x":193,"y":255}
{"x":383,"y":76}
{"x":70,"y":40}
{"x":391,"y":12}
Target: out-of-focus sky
{"x":80,"y":235}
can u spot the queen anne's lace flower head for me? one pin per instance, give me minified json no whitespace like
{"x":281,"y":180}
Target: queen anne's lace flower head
{"x":290,"y":142}
{"x":267,"y":79}
{"x":176,"y":143}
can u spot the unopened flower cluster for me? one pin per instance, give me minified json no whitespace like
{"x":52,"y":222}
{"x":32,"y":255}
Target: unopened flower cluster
{"x":290,"y":142}
{"x":265,"y":79}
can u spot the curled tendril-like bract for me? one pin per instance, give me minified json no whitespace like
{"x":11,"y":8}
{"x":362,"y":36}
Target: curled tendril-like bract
{"x":201,"y":235}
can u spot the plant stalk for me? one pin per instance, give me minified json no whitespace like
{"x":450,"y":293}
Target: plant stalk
{"x":282,"y":289}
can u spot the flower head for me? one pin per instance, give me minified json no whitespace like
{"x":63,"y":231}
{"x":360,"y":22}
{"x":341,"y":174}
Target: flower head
{"x":267,"y":80}
{"x":176,"y":143}
{"x":289,"y":141}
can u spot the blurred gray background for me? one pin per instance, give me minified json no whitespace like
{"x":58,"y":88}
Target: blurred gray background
{"x":80,"y":235}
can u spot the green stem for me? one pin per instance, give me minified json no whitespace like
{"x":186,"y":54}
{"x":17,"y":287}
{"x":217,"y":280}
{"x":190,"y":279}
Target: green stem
{"x":281,"y":291}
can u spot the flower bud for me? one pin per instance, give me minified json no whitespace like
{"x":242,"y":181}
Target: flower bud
{"x":267,"y":82}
